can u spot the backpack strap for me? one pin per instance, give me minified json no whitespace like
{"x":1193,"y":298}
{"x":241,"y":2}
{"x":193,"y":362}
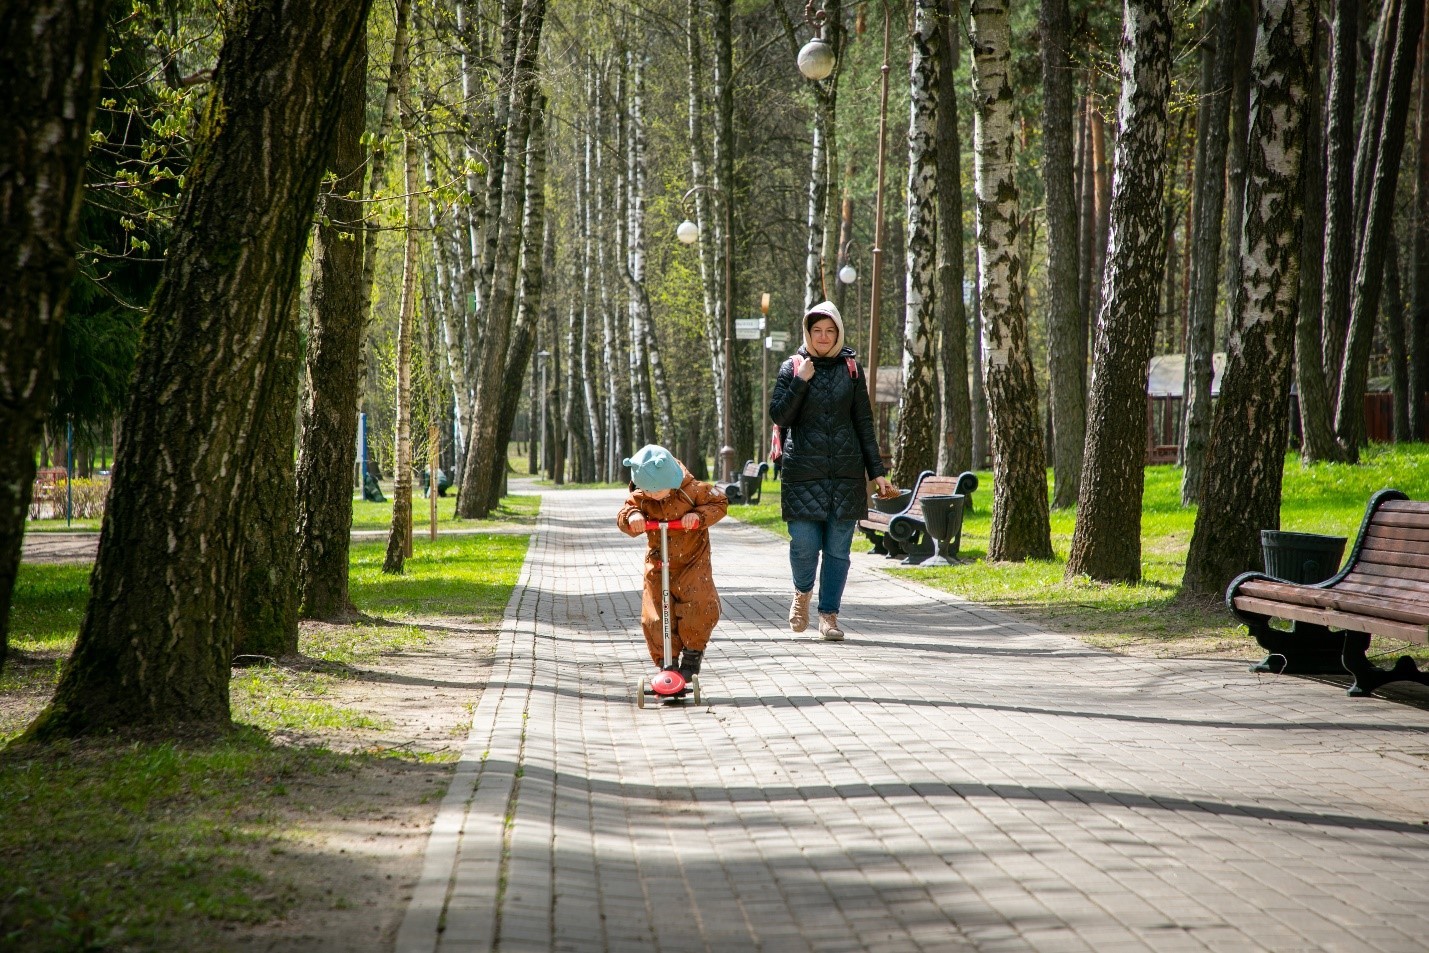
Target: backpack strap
{"x":852,"y":368}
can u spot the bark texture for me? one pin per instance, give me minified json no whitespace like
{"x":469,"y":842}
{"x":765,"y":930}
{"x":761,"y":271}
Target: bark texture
{"x":157,"y":637}
{"x":1020,"y":522}
{"x":327,"y":450}
{"x":1240,"y":493}
{"x":1106,"y":543}
{"x":955,"y":450}
{"x":49,"y":81}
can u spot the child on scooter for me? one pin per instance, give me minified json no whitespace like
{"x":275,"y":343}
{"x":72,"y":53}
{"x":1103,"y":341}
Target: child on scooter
{"x":661,"y":489}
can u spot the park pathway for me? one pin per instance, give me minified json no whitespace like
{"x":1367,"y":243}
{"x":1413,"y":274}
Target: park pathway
{"x":946,"y":779}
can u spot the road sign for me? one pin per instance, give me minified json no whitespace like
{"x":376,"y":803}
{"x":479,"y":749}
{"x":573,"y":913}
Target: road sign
{"x":746,"y":334}
{"x":749,"y":324}
{"x":777,"y":340}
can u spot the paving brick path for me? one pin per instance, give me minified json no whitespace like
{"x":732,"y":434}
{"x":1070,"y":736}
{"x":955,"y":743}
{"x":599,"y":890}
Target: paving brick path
{"x":946,"y":779}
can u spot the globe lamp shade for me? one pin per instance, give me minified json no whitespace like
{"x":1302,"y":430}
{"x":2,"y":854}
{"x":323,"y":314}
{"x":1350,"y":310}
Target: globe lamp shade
{"x":816,"y":59}
{"x":848,"y":275}
{"x":688,"y":232}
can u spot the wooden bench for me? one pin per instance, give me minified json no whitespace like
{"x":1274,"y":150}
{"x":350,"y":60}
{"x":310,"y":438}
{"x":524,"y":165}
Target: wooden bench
{"x":903,"y":533}
{"x":1382,"y":590}
{"x":751,"y":482}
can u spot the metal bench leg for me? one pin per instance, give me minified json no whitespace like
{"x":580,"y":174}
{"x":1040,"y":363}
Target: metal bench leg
{"x":1307,"y":649}
{"x":1368,"y":676}
{"x":877,"y":540}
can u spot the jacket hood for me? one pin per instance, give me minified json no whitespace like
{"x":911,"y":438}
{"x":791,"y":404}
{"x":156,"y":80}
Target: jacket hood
{"x":824,"y":309}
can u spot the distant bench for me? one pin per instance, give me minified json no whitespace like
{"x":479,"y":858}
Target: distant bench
{"x":1383,"y":590}
{"x":749,"y":488}
{"x":902,"y":532}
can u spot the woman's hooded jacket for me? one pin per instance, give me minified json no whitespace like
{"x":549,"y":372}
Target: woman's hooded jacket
{"x":830,"y":451}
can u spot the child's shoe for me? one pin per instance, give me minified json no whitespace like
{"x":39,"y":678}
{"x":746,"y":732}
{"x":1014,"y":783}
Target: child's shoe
{"x":690,"y":663}
{"x":799,"y":611}
{"x":829,"y":627}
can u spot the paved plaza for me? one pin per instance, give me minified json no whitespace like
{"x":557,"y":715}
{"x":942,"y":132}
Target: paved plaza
{"x":948,"y":778}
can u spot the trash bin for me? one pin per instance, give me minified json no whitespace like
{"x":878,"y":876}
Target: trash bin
{"x":1301,"y":557}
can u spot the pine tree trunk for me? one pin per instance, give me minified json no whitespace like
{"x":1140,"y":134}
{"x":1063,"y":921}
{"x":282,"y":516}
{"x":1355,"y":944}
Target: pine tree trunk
{"x":327,"y":448}
{"x":955,"y":449}
{"x":1240,"y":492}
{"x":1418,"y":332}
{"x":1066,"y":350}
{"x":399,"y":534}
{"x":1394,"y":331}
{"x":1212,"y":140}
{"x":1106,"y":543}
{"x":1237,"y":153}
{"x":156,"y":643}
{"x":1314,"y":400}
{"x":1020,"y":526}
{"x":915,"y":446}
{"x":1378,"y":221}
{"x":49,"y":83}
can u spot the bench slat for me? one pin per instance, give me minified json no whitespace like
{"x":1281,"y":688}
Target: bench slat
{"x":1392,"y":572}
{"x":1288,"y":593}
{"x":1415,"y":515}
{"x":1406,"y":589}
{"x":1392,"y":534}
{"x":1334,"y":618}
{"x":1381,"y":557}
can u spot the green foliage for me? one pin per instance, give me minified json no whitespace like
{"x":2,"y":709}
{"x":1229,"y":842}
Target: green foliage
{"x":460,"y":575}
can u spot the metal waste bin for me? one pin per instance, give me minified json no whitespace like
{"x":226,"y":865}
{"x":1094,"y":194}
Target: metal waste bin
{"x":1301,"y":557}
{"x":1307,"y":648}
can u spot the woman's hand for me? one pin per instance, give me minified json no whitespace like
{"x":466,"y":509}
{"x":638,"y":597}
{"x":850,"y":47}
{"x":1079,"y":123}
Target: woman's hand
{"x":806,"y":370}
{"x":884,"y":487}
{"x":690,"y":521}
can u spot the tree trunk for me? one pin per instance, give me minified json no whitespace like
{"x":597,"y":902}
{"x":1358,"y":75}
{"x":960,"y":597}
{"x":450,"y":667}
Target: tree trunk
{"x":1314,"y":399}
{"x":979,"y":391}
{"x":724,"y":146}
{"x":915,"y":447}
{"x":588,"y":184}
{"x":1238,"y":151}
{"x":328,"y":445}
{"x":1066,"y":350}
{"x":1419,"y":317}
{"x":1020,"y":522}
{"x":641,"y":320}
{"x":1218,"y":64}
{"x":1106,"y":543}
{"x":481,"y":487}
{"x":1394,"y":331}
{"x":1240,"y":491}
{"x":50,"y":59}
{"x":399,"y":534}
{"x":156,"y":643}
{"x":1379,"y":217}
{"x":955,"y":449}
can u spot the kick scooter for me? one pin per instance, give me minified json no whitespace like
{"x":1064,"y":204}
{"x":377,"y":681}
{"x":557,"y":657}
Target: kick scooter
{"x":668,"y":684}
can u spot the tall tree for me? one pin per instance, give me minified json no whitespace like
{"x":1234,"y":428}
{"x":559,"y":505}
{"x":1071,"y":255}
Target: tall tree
{"x":1240,"y":490}
{"x":955,"y":449}
{"x":50,"y":53}
{"x":915,"y":446}
{"x":327,"y":446}
{"x":1106,"y":543}
{"x":1020,"y":522}
{"x":155,"y":645}
{"x":1218,"y":62}
{"x":1066,"y":347}
{"x":1418,"y":331}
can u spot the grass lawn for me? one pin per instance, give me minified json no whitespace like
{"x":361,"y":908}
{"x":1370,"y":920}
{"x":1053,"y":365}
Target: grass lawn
{"x":519,"y":510}
{"x":132,"y":844}
{"x":1149,"y":617}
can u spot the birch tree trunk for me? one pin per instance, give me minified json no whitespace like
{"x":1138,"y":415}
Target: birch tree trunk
{"x":641,"y":329}
{"x":1378,"y":221}
{"x":399,"y":535}
{"x":50,"y":64}
{"x":155,"y":646}
{"x":1106,"y":543}
{"x":1066,"y":343}
{"x":1418,"y":332}
{"x":823,"y":161}
{"x":1020,"y":526}
{"x":915,"y":445}
{"x":955,"y":449}
{"x":979,"y":391}
{"x":594,"y":405}
{"x":1237,"y":154}
{"x":1208,"y":208}
{"x":1309,"y":373}
{"x":1240,"y":489}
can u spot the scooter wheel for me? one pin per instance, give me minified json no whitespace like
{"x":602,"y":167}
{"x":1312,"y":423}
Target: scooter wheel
{"x":695,"y":689}
{"x":640,"y":693}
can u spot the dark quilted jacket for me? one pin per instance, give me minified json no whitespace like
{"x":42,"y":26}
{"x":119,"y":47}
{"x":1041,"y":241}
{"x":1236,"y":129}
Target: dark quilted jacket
{"x":831,"y":452}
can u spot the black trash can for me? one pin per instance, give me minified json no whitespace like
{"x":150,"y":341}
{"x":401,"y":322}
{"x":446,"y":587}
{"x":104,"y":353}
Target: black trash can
{"x":1301,"y":557}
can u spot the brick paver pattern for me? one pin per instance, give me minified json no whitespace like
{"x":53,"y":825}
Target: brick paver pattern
{"x":948,"y":778}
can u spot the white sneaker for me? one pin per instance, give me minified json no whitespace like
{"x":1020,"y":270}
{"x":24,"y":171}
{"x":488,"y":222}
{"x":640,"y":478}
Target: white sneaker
{"x":799,"y":611}
{"x":829,"y":627}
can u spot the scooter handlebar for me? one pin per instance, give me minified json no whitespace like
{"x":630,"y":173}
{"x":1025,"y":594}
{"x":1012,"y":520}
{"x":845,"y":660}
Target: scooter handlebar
{"x":653,"y":526}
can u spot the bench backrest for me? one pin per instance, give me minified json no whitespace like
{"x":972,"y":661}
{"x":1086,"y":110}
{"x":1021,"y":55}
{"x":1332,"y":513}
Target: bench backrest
{"x":931,"y":486}
{"x":1391,"y":555}
{"x":752,"y":469}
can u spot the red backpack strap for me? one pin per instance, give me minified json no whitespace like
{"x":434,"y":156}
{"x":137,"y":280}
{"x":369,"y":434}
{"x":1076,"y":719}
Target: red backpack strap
{"x":852,"y":368}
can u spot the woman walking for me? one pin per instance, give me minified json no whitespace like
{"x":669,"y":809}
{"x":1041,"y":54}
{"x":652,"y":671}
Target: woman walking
{"x":830,"y":454}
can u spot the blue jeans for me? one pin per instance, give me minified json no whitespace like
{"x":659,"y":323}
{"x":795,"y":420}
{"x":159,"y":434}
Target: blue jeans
{"x":808,"y":538}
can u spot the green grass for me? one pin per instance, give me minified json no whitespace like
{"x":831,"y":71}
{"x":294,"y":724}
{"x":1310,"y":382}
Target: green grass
{"x":1323,"y":498}
{"x":512,"y":510}
{"x":130,"y":844}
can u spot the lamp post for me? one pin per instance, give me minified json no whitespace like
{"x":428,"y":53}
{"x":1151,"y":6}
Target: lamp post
{"x":688,"y":232}
{"x":877,"y":250}
{"x":764,"y":376}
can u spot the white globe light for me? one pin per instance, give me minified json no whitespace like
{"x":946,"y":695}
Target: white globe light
{"x":816,"y":59}
{"x":848,"y":275}
{"x":688,"y":232}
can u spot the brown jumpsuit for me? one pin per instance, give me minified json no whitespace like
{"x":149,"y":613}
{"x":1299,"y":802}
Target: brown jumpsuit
{"x":693,"y":600}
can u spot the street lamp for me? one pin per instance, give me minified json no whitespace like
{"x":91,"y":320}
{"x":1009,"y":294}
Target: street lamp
{"x":688,"y":232}
{"x":877,"y":250}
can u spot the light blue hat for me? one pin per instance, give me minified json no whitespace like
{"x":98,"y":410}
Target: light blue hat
{"x":655,"y":468}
